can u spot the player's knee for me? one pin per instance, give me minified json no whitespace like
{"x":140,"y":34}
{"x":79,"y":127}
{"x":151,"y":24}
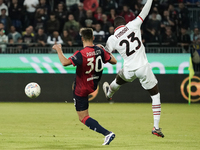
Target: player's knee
{"x":119,"y":80}
{"x":154,"y":90}
{"x":83,"y":120}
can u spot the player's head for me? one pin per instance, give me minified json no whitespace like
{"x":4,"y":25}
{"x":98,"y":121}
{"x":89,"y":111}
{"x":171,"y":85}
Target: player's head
{"x":87,"y":34}
{"x":119,"y":20}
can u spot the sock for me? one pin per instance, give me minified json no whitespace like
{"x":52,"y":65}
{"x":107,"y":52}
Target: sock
{"x":94,"y":125}
{"x":156,"y":107}
{"x":113,"y":88}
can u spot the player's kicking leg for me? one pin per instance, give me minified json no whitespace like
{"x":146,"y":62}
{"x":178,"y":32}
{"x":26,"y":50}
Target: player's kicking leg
{"x":81,"y":104}
{"x":95,"y":126}
{"x":106,"y":89}
{"x":109,"y":138}
{"x":109,"y":90}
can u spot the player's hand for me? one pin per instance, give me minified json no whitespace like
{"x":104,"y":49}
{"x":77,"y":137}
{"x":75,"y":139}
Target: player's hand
{"x":57,"y":47}
{"x":101,"y":46}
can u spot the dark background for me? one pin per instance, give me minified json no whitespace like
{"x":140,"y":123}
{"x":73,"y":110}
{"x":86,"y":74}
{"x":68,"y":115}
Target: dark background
{"x":58,"y":88}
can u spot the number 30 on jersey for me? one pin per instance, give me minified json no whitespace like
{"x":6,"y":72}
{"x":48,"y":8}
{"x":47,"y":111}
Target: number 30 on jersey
{"x":95,"y":65}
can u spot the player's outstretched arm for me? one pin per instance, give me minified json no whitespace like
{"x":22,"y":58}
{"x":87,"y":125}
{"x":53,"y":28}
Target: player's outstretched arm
{"x":113,"y":59}
{"x":63,"y":59}
{"x":146,"y":9}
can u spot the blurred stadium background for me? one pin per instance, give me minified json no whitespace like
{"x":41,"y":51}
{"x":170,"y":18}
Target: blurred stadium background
{"x":29,"y":28}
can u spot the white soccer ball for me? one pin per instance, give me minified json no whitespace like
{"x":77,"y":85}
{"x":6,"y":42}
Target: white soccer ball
{"x":32,"y":90}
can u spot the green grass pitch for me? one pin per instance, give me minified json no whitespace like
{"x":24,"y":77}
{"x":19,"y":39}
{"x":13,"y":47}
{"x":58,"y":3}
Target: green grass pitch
{"x":55,"y":126}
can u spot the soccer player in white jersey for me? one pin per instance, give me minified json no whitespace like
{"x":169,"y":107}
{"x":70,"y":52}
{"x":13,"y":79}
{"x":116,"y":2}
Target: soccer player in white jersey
{"x":127,"y":41}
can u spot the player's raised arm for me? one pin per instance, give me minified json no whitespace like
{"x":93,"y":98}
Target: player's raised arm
{"x":63,"y":59}
{"x":146,"y":9}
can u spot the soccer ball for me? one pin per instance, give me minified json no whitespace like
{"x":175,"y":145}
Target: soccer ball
{"x":32,"y":90}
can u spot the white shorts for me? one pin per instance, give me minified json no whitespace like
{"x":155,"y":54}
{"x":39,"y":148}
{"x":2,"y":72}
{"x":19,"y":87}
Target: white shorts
{"x":144,"y":74}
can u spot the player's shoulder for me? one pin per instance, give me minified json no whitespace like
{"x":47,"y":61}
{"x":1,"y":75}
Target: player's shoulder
{"x":111,"y":38}
{"x":77,"y":51}
{"x":99,"y":50}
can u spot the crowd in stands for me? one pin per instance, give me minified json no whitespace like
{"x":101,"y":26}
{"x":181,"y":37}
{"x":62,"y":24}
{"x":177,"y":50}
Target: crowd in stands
{"x":45,"y":22}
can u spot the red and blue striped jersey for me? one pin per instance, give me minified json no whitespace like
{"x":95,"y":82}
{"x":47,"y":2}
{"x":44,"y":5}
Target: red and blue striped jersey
{"x":89,"y":62}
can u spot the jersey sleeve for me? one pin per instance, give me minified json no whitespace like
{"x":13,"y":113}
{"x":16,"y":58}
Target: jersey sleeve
{"x":109,"y":45}
{"x":137,"y":22}
{"x":76,"y":59}
{"x":145,"y":9}
{"x":140,"y":18}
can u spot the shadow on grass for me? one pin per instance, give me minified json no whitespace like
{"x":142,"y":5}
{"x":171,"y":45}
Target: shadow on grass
{"x":75,"y":147}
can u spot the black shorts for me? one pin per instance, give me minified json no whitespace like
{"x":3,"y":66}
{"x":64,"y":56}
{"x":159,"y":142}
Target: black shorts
{"x":81,"y":103}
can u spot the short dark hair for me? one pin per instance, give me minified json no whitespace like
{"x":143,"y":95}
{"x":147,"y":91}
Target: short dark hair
{"x":87,"y":33}
{"x":119,"y":20}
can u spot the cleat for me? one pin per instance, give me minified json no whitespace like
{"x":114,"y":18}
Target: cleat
{"x":157,"y":132}
{"x":105,"y":89}
{"x":109,"y":138}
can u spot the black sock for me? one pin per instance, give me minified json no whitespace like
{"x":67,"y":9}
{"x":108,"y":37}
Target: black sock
{"x":94,"y":125}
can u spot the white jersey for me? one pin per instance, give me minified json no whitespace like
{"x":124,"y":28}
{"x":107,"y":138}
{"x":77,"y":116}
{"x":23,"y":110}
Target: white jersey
{"x":127,"y":41}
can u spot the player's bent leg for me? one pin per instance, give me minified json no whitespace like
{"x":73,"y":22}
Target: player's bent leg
{"x":119,"y":80}
{"x":154,"y":90}
{"x":106,"y":89}
{"x":114,"y":87}
{"x":110,"y":90}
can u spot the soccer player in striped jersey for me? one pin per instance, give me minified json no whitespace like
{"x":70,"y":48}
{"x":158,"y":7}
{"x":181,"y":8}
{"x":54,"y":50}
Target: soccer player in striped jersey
{"x":89,"y":62}
{"x":127,"y":41}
